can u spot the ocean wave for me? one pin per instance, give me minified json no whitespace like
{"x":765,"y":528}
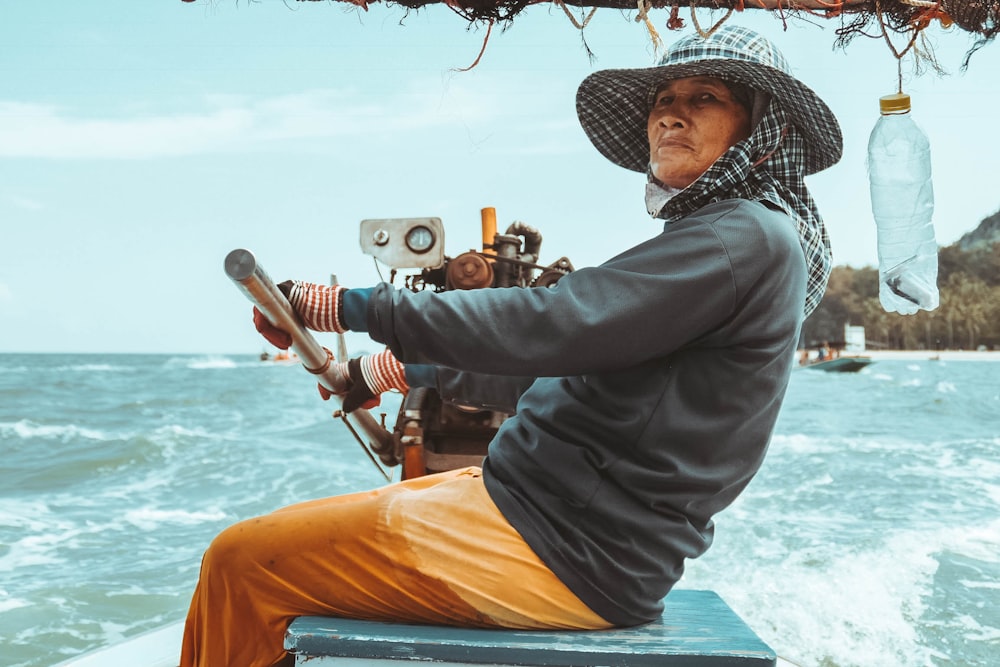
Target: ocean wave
{"x":201,"y":364}
{"x":88,"y":367}
{"x":886,"y":599}
{"x":979,"y":542}
{"x":8,"y":603}
{"x":800,"y":443}
{"x":27,"y":429}
{"x":32,"y":551}
{"x":976,"y":632}
{"x":991,"y":585}
{"x":30,"y":515}
{"x":208,"y":362}
{"x":169,"y":434}
{"x":868,"y":537}
{"x":147,"y":518}
{"x":8,"y":370}
{"x":126,"y":592}
{"x":855,"y":605}
{"x":163,"y":438}
{"x":992,"y":492}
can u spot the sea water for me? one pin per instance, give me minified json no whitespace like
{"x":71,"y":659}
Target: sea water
{"x":870,"y":537}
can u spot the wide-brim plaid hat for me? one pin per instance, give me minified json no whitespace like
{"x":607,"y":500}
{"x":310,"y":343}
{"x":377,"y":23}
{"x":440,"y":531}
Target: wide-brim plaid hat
{"x":613,"y":105}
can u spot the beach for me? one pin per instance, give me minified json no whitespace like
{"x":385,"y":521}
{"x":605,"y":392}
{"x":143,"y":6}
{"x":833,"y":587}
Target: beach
{"x":929,"y":355}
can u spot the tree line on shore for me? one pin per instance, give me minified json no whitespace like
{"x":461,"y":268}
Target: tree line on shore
{"x":968,"y":317}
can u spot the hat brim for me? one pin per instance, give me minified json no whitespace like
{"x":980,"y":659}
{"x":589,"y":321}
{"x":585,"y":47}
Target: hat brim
{"x":613,"y":107}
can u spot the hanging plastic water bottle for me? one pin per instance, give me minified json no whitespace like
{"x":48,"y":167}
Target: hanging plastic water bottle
{"x":899,"y":173}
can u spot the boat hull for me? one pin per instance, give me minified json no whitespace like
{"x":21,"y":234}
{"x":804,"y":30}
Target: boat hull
{"x":156,"y":648}
{"x":841,"y":364}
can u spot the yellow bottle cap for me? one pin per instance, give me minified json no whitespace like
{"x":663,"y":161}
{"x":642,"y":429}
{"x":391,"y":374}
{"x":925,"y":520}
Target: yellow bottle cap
{"x":895,"y":103}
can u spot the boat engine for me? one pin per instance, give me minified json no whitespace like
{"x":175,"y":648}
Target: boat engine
{"x":429,"y":434}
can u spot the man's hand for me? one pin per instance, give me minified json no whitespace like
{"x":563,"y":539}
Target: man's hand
{"x":317,"y":305}
{"x":370,"y":376}
{"x":279,"y":338}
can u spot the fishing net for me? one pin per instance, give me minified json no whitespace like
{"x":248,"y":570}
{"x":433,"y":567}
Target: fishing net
{"x":980,"y":17}
{"x":908,"y":18}
{"x":871,"y":18}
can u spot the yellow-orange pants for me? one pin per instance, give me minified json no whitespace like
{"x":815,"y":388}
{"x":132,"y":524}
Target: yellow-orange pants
{"x":433,"y":549}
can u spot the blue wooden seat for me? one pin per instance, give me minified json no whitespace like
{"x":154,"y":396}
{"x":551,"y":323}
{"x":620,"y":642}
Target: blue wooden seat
{"x":697,"y":629}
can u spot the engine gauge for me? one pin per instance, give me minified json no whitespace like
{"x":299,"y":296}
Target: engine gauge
{"x":420,"y":239}
{"x":404,"y":243}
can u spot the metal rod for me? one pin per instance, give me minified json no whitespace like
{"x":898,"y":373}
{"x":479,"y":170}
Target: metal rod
{"x":368,"y":450}
{"x":250,"y":278}
{"x":341,"y":339}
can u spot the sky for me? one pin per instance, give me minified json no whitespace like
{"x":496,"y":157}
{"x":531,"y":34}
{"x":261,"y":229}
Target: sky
{"x":140,"y":142}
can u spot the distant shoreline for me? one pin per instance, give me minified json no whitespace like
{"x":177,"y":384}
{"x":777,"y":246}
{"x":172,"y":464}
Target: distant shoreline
{"x":924,"y":355}
{"x":878,"y":355}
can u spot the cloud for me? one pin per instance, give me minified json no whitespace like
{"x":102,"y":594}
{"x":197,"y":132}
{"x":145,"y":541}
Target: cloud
{"x":224,"y":124}
{"x":22,"y":202}
{"x":5,"y":294}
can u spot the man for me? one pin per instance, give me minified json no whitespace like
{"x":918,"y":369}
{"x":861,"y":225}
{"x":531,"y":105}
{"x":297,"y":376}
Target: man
{"x":606,"y":478}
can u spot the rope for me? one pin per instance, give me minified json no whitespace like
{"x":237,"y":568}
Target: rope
{"x":644,"y":6}
{"x":569,"y":14}
{"x":837,"y":5}
{"x":489,"y":29}
{"x":892,"y":47}
{"x":706,"y":34}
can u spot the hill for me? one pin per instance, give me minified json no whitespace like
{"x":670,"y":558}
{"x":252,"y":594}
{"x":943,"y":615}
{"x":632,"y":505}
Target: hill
{"x":968,"y":317}
{"x":986,"y":234}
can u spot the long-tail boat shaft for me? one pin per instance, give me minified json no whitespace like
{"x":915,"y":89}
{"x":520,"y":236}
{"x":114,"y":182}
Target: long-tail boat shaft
{"x":250,"y":278}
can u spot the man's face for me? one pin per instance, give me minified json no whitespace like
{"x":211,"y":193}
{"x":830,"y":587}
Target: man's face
{"x":692,"y":123}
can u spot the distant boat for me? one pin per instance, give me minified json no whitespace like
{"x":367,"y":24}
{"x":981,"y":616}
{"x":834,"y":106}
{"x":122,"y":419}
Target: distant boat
{"x":851,"y":364}
{"x":282,"y":356}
